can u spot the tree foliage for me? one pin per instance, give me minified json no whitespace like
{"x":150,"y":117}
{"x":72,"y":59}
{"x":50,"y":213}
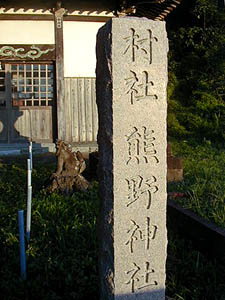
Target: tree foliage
{"x":196,"y":89}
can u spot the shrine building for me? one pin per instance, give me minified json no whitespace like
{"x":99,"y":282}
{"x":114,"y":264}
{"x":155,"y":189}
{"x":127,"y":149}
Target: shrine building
{"x":47,"y":67}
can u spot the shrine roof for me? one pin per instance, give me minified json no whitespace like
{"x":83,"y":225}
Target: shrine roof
{"x":152,"y":9}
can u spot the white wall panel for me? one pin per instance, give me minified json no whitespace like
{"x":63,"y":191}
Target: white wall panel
{"x":79,"y":48}
{"x":27,"y":32}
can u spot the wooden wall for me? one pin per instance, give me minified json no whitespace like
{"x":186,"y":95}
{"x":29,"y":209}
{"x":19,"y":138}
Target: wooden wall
{"x":81,"y":110}
{"x":18,"y":125}
{"x":35,"y":122}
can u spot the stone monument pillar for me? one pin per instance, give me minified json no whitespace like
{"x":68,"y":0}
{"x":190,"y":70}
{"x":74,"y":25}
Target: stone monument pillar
{"x":131,"y":82}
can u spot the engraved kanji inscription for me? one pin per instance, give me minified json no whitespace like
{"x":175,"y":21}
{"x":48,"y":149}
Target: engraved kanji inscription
{"x":141,"y":277}
{"x":139,"y":45}
{"x":141,"y":233}
{"x":139,"y":87}
{"x":141,"y":146}
{"x":141,"y":189}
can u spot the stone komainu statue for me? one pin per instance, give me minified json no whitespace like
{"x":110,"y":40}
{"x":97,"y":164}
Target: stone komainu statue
{"x":70,"y":165}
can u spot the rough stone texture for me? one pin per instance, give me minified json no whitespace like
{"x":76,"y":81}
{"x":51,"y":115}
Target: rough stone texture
{"x":131,"y":81}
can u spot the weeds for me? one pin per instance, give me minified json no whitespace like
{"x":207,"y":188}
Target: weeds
{"x":204,"y":184}
{"x":62,"y":253}
{"x":58,"y":267}
{"x":190,"y":274}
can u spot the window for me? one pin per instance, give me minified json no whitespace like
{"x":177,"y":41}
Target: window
{"x":31,"y":84}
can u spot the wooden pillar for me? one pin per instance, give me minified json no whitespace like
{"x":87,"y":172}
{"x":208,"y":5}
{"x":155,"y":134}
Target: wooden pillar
{"x":60,"y":93}
{"x":8,"y":95}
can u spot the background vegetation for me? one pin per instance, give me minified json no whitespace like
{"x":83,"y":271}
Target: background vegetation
{"x":196,"y":104}
{"x":196,"y":92}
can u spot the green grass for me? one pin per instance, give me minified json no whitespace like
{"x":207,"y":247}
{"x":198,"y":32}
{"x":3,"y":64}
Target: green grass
{"x":191,"y":275}
{"x":62,"y":254}
{"x":204,"y":180}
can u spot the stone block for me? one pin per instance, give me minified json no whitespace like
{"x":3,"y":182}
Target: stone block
{"x":174,"y":162}
{"x":175,"y":175}
{"x":174,"y":167}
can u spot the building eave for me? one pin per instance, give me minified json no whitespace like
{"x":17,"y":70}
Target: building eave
{"x":152,"y":9}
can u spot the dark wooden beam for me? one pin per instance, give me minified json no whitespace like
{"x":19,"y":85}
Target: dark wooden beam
{"x":24,"y":17}
{"x":78,"y":18}
{"x":87,"y":18}
{"x":60,"y":90}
